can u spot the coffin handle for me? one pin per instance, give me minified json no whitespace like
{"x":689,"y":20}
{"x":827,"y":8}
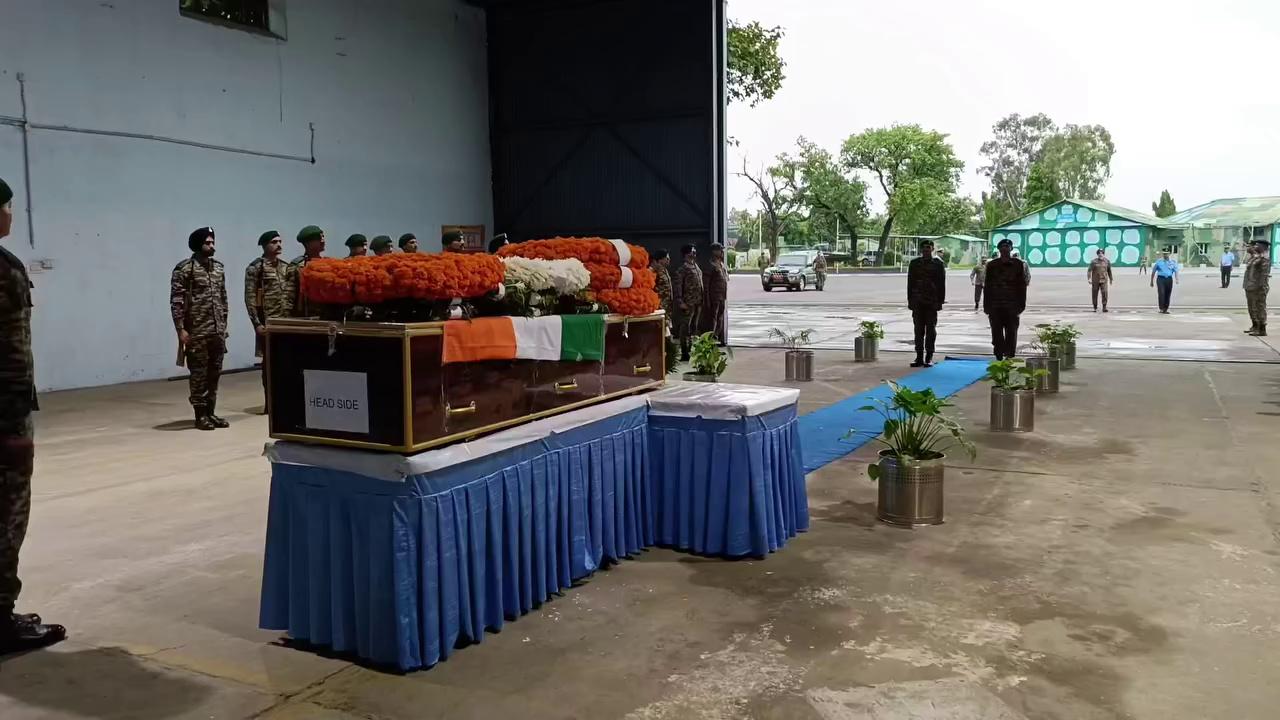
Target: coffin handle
{"x":465,"y":410}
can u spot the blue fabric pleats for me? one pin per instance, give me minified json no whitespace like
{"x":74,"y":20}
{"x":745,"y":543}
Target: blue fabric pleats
{"x":402,"y":573}
{"x":753,"y":498}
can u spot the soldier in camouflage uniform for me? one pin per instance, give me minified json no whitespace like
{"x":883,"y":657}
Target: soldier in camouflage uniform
{"x":17,"y":444}
{"x":717,"y":291}
{"x":658,"y":263}
{"x":312,"y":239}
{"x":268,"y":293}
{"x":198,"y":305}
{"x":1257,"y":282}
{"x":688,"y":287}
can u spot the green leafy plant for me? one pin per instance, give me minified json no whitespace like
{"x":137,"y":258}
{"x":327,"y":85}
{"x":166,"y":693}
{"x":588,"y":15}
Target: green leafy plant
{"x":1057,"y":334}
{"x":915,"y":426}
{"x":791,"y":340}
{"x":707,"y":357}
{"x":1012,"y":375}
{"x":871,"y":330}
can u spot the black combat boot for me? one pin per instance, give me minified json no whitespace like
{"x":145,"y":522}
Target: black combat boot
{"x":203,"y":421}
{"x":21,"y":633}
{"x":213,"y":417}
{"x":1252,"y":329}
{"x":1261,"y":331}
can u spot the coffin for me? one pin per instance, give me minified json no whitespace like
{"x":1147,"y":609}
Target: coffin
{"x":383,"y":386}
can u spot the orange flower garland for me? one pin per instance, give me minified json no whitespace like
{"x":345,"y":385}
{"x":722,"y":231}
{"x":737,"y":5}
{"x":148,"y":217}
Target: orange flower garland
{"x":607,"y":277}
{"x":401,"y":276}
{"x":633,"y":301}
{"x":588,"y":250}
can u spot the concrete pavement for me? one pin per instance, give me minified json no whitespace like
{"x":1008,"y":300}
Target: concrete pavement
{"x":1120,"y":562}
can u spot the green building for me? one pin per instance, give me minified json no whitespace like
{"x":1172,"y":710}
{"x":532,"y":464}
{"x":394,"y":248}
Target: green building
{"x":1227,"y":223}
{"x":1070,"y":232}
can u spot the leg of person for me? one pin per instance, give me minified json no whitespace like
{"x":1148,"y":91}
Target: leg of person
{"x":977,"y":296}
{"x":997,"y":334}
{"x":1106,"y":295}
{"x":198,"y":365}
{"x":717,"y":320}
{"x":217,"y":350}
{"x":17,"y":460}
{"x":1012,"y":320}
{"x":1166,"y":296}
{"x":1094,"y":294}
{"x":918,"y":325}
{"x":1262,"y":313}
{"x":930,"y":336}
{"x":1253,"y":312}
{"x":683,"y":323}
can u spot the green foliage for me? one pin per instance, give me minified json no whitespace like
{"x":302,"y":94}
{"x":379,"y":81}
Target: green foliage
{"x":755,"y":70}
{"x":824,"y":189}
{"x":748,"y":224}
{"x":1057,"y":334}
{"x":917,"y":170}
{"x":915,"y":427}
{"x":1042,"y":187}
{"x":779,"y":205}
{"x":871,"y":329}
{"x":1165,"y":207}
{"x":1079,"y":159}
{"x":791,"y":340}
{"x":707,"y":357}
{"x":991,"y":212}
{"x":1012,"y":375}
{"x":1015,"y":146}
{"x":731,"y":258}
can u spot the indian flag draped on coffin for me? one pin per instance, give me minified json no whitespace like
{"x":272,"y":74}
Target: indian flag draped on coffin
{"x":553,"y":337}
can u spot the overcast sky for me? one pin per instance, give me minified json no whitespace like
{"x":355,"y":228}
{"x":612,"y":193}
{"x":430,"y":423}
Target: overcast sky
{"x":1190,"y":90}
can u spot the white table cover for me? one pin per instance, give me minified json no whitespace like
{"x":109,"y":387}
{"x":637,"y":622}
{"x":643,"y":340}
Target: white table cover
{"x":720,"y":401}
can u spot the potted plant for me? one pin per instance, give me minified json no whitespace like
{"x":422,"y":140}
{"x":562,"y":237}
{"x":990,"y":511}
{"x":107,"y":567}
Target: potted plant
{"x":866,"y":346}
{"x":707,"y":358}
{"x":1060,"y":339}
{"x":1013,"y":395}
{"x":799,"y":362}
{"x":1043,"y":360}
{"x":915,"y":436}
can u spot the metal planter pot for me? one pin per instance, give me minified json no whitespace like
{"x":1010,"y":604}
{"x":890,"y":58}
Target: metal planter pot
{"x":696,"y":377}
{"x":866,"y":349}
{"x":1013,"y":410}
{"x":1053,"y":366}
{"x":799,"y":365}
{"x":910,"y":491}
{"x":1065,"y":352}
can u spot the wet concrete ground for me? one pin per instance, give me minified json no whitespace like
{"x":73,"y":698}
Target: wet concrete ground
{"x":1120,"y":562}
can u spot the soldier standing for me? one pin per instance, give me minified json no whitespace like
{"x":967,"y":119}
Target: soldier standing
{"x":268,"y":293}
{"x":1006,"y":299}
{"x":381,"y":245}
{"x":357,"y":246}
{"x":198,"y":304}
{"x":688,"y":287}
{"x":18,"y":633}
{"x":978,"y":276}
{"x":1100,"y":276}
{"x":1257,"y":281}
{"x":926,"y":294}
{"x":451,"y":241}
{"x":820,"y":270}
{"x":658,"y":263}
{"x":312,"y":239}
{"x":718,"y":291}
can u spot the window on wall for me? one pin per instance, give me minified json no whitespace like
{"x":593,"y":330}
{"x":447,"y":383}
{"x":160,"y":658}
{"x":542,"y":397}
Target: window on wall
{"x":265,"y":16}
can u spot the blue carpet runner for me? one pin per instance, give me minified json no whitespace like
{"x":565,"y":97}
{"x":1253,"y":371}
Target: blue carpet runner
{"x":825,"y":435}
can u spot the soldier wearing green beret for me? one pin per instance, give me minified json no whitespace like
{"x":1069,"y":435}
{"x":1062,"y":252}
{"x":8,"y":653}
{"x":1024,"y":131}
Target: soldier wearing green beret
{"x":312,"y":239}
{"x":409,"y":243}
{"x":452,"y":241}
{"x":269,"y":287}
{"x":18,"y":633}
{"x":357,"y":246}
{"x":381,"y":245}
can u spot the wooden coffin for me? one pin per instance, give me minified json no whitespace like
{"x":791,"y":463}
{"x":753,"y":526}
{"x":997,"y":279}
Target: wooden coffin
{"x":383,"y":386}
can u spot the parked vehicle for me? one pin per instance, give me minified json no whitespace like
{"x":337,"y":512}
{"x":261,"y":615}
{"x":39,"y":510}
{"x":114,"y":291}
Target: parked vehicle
{"x":793,"y":271}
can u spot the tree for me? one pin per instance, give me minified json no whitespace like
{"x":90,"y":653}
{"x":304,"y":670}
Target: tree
{"x":1016,"y":145}
{"x":777,"y":203}
{"x":1079,"y":158}
{"x":748,"y":225}
{"x":991,"y":212}
{"x":916,"y":168}
{"x":1042,"y":188}
{"x":754,"y":67}
{"x":1165,"y":207}
{"x":825,"y":190}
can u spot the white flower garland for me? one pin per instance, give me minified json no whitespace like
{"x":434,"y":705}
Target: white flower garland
{"x":566,"y":277}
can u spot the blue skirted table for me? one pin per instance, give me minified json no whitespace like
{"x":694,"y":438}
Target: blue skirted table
{"x":727,"y":471}
{"x":398,"y":559}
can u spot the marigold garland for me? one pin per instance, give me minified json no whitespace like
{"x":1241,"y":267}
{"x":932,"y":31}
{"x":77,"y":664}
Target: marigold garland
{"x":607,"y":277}
{"x":632,"y":301}
{"x":401,"y":276}
{"x":588,"y":250}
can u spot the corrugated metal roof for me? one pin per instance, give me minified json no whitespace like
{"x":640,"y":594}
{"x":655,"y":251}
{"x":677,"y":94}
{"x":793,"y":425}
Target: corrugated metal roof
{"x":1231,"y":212}
{"x":1124,"y":212}
{"x":961,"y":236}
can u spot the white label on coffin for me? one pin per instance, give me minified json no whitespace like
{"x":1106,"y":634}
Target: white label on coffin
{"x":624,"y":252}
{"x":627,"y":278}
{"x":336,"y":400}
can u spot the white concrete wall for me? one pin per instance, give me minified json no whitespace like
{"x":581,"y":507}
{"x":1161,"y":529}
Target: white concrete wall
{"x":397,"y":90}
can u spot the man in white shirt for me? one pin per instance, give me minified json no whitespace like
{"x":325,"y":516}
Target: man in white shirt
{"x":1228,"y":260}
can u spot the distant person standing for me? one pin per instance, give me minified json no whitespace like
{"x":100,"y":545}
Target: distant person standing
{"x":978,"y":276}
{"x":268,"y":293}
{"x":658,"y":263}
{"x":717,"y":288}
{"x":408,"y":242}
{"x":820,"y":269}
{"x":1257,"y":282}
{"x":312,"y":239}
{"x":688,"y":287}
{"x":1225,"y":265}
{"x":1164,"y":273}
{"x":381,"y":245}
{"x":451,"y":241}
{"x":1100,"y":276}
{"x":926,"y":294}
{"x":1006,"y":299}
{"x":357,"y":246}
{"x":198,"y":307}
{"x":1142,"y":266}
